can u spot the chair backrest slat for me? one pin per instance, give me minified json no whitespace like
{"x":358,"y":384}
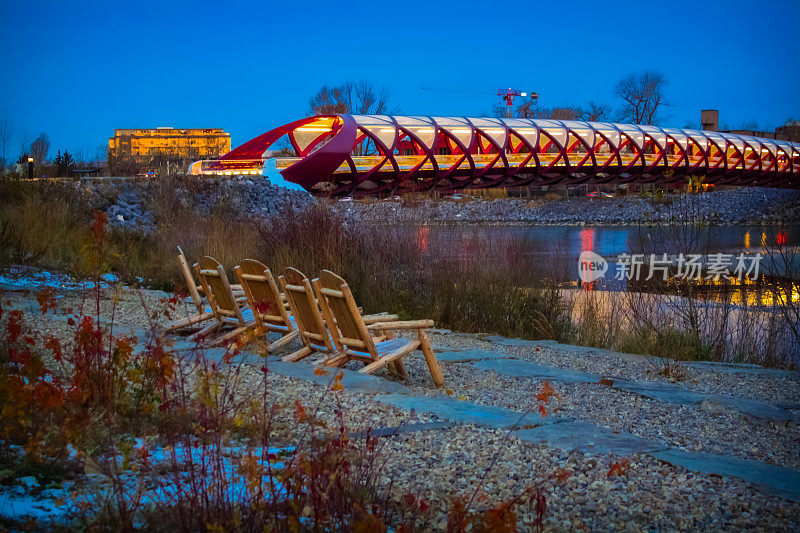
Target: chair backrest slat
{"x":218,"y":289}
{"x":262,"y":293}
{"x":305,"y":309}
{"x":191,"y":284}
{"x":349,"y":328}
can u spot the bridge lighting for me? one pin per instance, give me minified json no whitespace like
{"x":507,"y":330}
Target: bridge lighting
{"x":560,"y":155}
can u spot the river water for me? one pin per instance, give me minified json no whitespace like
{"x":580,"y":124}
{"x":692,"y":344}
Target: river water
{"x":560,"y":247}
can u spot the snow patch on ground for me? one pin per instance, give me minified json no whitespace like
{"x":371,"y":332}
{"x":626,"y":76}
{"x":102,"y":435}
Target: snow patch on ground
{"x":24,"y":500}
{"x":20,"y":277}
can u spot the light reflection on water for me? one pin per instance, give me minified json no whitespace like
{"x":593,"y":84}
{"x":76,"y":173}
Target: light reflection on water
{"x":560,"y":246}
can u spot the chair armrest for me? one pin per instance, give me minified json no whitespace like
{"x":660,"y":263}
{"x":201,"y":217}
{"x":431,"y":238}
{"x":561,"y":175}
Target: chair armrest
{"x":371,"y":319}
{"x":403,"y":324}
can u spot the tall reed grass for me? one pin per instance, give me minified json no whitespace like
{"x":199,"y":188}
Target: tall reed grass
{"x":488,"y":287}
{"x":479,"y":283}
{"x":176,"y":441}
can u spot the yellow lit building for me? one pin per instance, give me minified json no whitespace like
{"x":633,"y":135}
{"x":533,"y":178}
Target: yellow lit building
{"x":145,"y":146}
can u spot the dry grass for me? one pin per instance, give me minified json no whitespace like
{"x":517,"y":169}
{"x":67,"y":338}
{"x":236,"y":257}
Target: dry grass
{"x":490,"y":287}
{"x":480,"y":284}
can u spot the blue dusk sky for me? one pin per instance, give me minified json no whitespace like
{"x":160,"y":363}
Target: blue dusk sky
{"x":76,"y":70}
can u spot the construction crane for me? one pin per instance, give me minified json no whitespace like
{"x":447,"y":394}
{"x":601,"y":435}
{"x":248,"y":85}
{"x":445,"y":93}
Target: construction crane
{"x":509,"y":94}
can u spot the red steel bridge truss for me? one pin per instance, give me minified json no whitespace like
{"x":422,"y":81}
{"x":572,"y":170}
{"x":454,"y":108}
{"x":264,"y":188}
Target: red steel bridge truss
{"x":356,"y":155}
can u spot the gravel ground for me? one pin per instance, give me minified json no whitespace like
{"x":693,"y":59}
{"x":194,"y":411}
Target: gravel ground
{"x":776,"y":389}
{"x":688,"y":427}
{"x":443,"y":464}
{"x":650,"y":496}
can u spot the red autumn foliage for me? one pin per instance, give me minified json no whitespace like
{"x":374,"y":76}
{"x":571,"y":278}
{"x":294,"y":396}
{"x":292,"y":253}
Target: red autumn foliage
{"x":500,"y":518}
{"x":546,"y":392}
{"x":337,"y":382}
{"x":619,"y":468}
{"x":562,"y":475}
{"x":93,"y":390}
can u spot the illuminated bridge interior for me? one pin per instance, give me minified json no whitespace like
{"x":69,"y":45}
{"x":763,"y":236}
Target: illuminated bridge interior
{"x":356,"y":155}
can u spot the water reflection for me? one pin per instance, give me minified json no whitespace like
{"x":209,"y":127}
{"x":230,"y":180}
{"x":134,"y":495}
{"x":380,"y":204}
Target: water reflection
{"x":557,"y":248}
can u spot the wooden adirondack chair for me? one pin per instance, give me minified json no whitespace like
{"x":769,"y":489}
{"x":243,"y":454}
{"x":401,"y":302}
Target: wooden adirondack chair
{"x":265,"y":302}
{"x":204,"y":312}
{"x":224,"y":304}
{"x":306,"y":312}
{"x":300,"y":296}
{"x":353,"y":336}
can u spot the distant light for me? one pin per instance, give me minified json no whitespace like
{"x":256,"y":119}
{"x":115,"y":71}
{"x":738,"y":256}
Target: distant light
{"x":30,"y":160}
{"x":523,"y":94}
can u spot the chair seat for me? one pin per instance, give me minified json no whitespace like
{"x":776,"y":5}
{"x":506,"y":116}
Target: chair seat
{"x":385,"y":347}
{"x":391,"y":345}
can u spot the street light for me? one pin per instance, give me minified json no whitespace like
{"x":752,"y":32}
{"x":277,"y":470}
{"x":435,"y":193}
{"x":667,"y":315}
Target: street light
{"x":30,"y":168}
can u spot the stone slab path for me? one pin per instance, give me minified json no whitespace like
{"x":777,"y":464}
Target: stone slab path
{"x":587,"y":437}
{"x":664,"y":392}
{"x":733,"y":368}
{"x":777,"y":480}
{"x":558,"y":432}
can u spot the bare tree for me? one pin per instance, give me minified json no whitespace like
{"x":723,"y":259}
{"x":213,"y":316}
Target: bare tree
{"x":558,"y":113}
{"x":596,"y":112}
{"x":531,"y":110}
{"x":6,"y":131}
{"x":359,"y":98}
{"x":563,"y":113}
{"x":39,"y":148}
{"x":642,"y":95}
{"x":25,"y":143}
{"x":500,"y":111}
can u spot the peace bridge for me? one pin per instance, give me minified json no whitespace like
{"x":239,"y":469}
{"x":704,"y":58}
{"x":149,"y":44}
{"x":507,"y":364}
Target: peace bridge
{"x":357,"y":155}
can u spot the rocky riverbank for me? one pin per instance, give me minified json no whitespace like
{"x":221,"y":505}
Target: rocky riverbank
{"x":620,"y":447}
{"x":129,"y":205}
{"x":738,"y":206}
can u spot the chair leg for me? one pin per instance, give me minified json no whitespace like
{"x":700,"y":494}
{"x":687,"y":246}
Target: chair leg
{"x":231,"y":335}
{"x":302,"y":353}
{"x":390,"y":358}
{"x":204,"y":332}
{"x":430,"y":358}
{"x":336,"y":360}
{"x":400,"y":369}
{"x":286,"y":339}
{"x":192,"y":320}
